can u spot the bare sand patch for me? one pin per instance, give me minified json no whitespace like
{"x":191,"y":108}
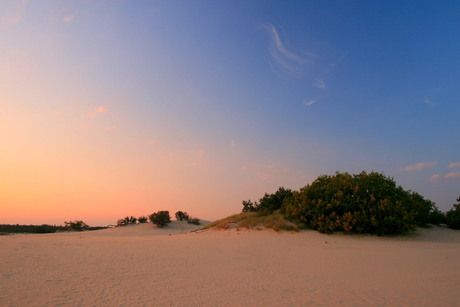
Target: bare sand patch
{"x":141,"y":265}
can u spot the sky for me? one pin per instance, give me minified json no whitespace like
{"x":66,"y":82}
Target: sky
{"x":116,"y":108}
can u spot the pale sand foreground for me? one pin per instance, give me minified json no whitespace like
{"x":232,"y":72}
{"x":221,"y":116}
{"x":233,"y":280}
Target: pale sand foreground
{"x":140,"y":265}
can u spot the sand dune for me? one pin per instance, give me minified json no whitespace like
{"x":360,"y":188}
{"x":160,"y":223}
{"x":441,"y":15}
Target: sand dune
{"x":141,"y":265}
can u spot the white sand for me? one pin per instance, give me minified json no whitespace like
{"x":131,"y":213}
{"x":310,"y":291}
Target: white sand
{"x":139,"y":265}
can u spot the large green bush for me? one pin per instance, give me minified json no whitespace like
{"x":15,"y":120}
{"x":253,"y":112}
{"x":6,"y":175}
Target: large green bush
{"x":160,"y":218}
{"x":361,"y":203}
{"x":453,"y":216}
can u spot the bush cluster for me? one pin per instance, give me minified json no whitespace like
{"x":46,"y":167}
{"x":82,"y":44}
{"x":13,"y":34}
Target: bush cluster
{"x":269,"y":203}
{"x":183,"y":216}
{"x":360,"y":203}
{"x":76,"y":226}
{"x":127,"y":220}
{"x":142,"y":219}
{"x":160,"y":218}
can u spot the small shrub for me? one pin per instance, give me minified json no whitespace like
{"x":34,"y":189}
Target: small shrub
{"x":142,"y":219}
{"x":160,"y":218}
{"x":182,"y":216}
{"x":127,"y":220}
{"x":121,"y":222}
{"x":76,"y":225}
{"x":453,"y":216}
{"x":193,"y":220}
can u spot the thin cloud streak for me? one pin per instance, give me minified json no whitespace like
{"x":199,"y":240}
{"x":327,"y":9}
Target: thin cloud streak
{"x":310,"y":102}
{"x":282,"y":56}
{"x":68,"y":18}
{"x":320,"y":84}
{"x":417,"y":167}
{"x":97,"y":111}
{"x":452,"y":175}
{"x":435,"y":177}
{"x":454,"y":164}
{"x":430,"y":102}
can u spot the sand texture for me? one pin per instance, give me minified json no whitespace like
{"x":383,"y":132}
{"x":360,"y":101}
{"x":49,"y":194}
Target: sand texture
{"x":142,"y":266}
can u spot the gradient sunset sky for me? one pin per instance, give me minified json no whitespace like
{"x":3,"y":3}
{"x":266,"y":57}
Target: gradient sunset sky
{"x":115,"y":108}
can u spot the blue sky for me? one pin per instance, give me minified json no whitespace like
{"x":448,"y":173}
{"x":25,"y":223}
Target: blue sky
{"x":201,"y":104}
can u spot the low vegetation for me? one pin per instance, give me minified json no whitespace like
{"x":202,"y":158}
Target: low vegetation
{"x":29,"y":228}
{"x":45,"y":228}
{"x":160,"y":218}
{"x":126,"y":221}
{"x":76,"y":226}
{"x":142,"y":219}
{"x":360,"y":203}
{"x":254,"y":220}
{"x":183,"y":216}
{"x":453,"y":216}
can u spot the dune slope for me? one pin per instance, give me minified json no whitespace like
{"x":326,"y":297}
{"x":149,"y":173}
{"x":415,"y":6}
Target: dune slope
{"x":138,"y":265}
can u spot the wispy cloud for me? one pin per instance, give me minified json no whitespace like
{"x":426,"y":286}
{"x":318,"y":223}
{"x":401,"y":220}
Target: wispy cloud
{"x":452,"y":175}
{"x":16,"y":14}
{"x":310,"y":102}
{"x":68,"y":18}
{"x":320,"y":84}
{"x":97,"y":111}
{"x":435,"y":177}
{"x":454,"y":164}
{"x":417,"y":167}
{"x":430,"y":102}
{"x":285,"y":58}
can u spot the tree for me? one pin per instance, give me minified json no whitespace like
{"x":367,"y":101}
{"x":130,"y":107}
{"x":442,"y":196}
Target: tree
{"x":160,"y":218}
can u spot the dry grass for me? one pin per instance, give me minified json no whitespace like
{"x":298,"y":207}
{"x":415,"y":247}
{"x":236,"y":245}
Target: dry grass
{"x":253,"y":220}
{"x":232,"y":221}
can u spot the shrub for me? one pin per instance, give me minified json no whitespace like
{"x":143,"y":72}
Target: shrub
{"x":76,"y":225}
{"x":160,"y":218}
{"x":121,"y":222}
{"x":362,"y":203}
{"x":269,"y":203}
{"x":437,"y":217}
{"x":193,"y":220}
{"x":182,"y":216}
{"x":127,"y":220}
{"x":453,"y":216}
{"x":142,"y":219}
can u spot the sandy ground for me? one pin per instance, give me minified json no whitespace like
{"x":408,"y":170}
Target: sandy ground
{"x":143,"y":266}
